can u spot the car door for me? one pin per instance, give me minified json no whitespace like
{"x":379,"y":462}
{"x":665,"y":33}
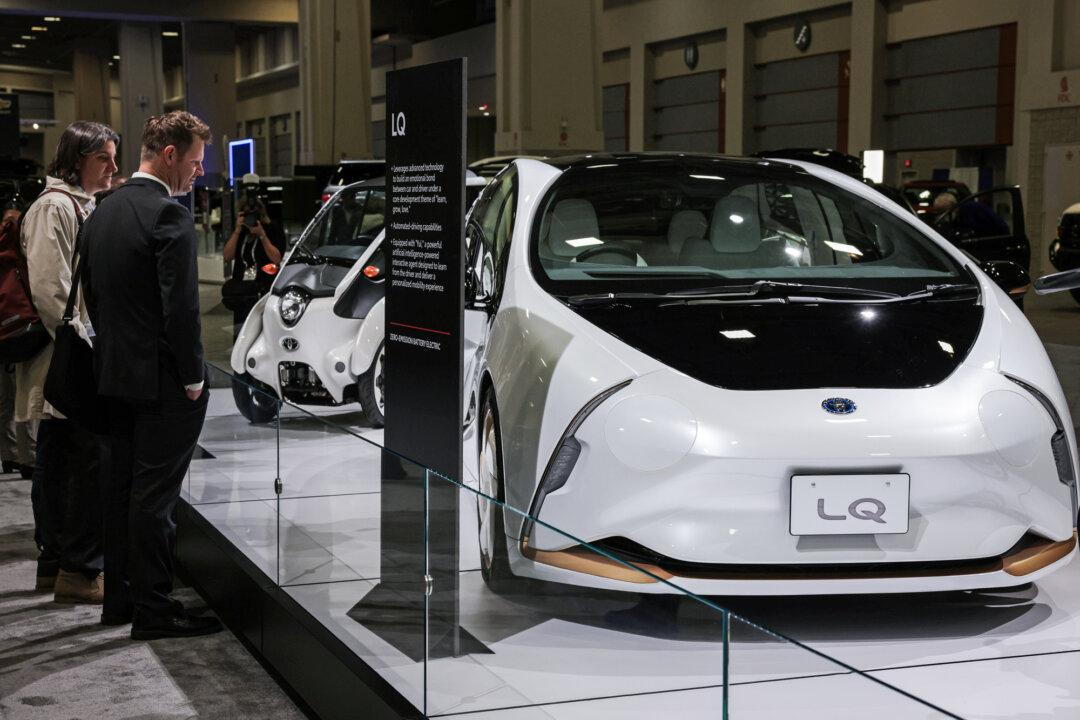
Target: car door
{"x":989,"y":225}
{"x":488,"y":231}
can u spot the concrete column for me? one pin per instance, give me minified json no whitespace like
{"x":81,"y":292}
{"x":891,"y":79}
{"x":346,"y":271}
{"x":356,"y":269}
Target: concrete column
{"x":210,"y":89}
{"x":642,"y":88}
{"x":142,"y":87}
{"x":335,"y":80}
{"x":547,"y":95}
{"x":90,"y":73}
{"x":739,"y":125}
{"x":866,"y":126}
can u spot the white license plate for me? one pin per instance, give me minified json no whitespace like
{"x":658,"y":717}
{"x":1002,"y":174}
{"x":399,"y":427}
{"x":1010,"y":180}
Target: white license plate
{"x":849,"y":504}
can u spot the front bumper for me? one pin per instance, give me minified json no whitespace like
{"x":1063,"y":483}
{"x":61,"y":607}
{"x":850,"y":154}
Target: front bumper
{"x":716,"y":520}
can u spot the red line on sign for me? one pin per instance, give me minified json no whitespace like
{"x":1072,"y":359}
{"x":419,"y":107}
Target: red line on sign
{"x":424,"y":329}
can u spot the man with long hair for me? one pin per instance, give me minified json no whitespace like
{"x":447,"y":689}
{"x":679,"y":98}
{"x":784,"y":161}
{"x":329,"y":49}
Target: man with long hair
{"x":67,"y":473}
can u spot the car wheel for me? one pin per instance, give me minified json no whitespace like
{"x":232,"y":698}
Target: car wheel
{"x":494,"y":563}
{"x":370,"y":390}
{"x":1075,"y":294}
{"x":255,"y":401}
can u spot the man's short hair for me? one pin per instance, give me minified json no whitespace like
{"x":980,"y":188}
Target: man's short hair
{"x":78,"y":140}
{"x":178,"y":128}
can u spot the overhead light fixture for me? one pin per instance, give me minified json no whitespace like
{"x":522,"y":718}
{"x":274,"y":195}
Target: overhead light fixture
{"x":27,"y":37}
{"x":51,"y":18}
{"x":36,"y":126}
{"x":483,"y":107}
{"x":170,"y":33}
{"x":39,"y":28}
{"x":737,"y":334}
{"x":487,"y":114}
{"x":707,"y":177}
{"x":115,"y":57}
{"x":18,"y":46}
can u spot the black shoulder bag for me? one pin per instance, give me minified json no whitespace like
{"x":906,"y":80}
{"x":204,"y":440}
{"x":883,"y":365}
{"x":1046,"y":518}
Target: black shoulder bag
{"x":70,"y":385}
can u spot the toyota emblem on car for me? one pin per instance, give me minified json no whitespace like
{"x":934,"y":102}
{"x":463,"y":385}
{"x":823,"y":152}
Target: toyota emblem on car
{"x":838,"y":406}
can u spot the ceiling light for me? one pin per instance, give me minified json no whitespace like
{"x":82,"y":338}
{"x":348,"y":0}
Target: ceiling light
{"x":707,"y":177}
{"x":39,"y":28}
{"x":487,"y":114}
{"x":20,"y":46}
{"x":27,"y":37}
{"x":36,"y":126}
{"x":51,"y":18}
{"x":947,"y":347}
{"x":483,"y":107}
{"x":737,"y":334}
{"x":868,"y":314}
{"x":170,"y":33}
{"x":115,"y":57}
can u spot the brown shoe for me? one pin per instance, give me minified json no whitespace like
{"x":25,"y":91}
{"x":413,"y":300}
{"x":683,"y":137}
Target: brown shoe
{"x":76,"y":588}
{"x":45,"y":582}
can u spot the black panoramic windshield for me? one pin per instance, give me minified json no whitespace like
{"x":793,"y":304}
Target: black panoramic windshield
{"x":668,"y":224}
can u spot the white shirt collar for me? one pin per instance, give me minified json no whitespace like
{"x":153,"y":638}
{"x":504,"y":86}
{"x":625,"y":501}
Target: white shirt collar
{"x":155,"y":178}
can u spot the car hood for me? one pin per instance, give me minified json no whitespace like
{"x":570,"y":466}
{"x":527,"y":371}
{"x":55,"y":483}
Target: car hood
{"x":784,"y":346}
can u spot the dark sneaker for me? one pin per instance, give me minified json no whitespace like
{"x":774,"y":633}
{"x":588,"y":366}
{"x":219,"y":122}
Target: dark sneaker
{"x":113,"y":618}
{"x":178,"y":625}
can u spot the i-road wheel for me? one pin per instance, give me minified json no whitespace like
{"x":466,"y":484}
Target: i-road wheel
{"x":370,"y":390}
{"x":494,"y":563}
{"x":255,"y":401}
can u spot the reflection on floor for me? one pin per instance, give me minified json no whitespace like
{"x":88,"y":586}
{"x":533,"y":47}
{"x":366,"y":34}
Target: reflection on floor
{"x":566,"y":653}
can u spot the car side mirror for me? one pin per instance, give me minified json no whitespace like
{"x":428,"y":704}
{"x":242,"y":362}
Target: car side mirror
{"x":483,"y":281}
{"x":1008,"y":276}
{"x":1056,"y":282}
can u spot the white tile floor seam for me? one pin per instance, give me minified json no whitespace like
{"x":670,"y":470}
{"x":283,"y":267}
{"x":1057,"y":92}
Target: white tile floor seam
{"x":562,"y":655}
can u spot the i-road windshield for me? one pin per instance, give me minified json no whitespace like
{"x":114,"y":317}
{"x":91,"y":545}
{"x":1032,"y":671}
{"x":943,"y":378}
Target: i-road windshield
{"x":345,"y":229}
{"x":668,"y":224}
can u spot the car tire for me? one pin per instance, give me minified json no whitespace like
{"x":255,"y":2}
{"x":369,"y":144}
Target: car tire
{"x":255,"y":400}
{"x":1075,"y":294}
{"x":370,"y":390}
{"x":491,"y":530}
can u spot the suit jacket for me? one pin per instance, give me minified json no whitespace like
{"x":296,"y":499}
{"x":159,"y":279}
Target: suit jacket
{"x":141,"y":286}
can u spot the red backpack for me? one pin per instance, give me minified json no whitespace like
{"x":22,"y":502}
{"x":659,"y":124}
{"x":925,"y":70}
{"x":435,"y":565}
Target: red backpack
{"x":22,"y":334}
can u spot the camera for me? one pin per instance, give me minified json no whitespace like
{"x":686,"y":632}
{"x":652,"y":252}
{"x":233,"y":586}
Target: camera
{"x":251,"y":219}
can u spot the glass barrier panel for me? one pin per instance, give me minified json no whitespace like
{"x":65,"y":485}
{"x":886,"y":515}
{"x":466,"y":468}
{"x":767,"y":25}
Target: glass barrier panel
{"x":351,"y":542}
{"x":562,"y":630}
{"x":770,"y":676}
{"x":231,"y":478}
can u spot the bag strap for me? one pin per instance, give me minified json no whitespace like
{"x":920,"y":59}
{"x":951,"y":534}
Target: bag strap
{"x":69,"y":310}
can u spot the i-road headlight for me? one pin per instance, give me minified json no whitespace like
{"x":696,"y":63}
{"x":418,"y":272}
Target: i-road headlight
{"x":292,"y":306}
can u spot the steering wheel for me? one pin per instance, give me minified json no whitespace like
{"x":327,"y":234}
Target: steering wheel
{"x":594,"y":251}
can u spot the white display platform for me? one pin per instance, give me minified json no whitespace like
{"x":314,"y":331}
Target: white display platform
{"x":571,"y":653}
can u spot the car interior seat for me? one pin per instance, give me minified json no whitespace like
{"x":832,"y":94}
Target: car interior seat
{"x":734,"y":238}
{"x":685,"y":225}
{"x":572,"y":220}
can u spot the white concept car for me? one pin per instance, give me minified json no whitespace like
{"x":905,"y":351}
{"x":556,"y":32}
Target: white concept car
{"x":751,"y":377}
{"x":317,"y":337}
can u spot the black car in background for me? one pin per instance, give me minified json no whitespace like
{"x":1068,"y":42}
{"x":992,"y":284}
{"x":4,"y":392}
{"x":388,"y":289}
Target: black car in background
{"x":1065,"y":248}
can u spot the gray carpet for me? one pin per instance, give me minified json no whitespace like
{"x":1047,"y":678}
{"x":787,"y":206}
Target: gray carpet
{"x":57,"y":662}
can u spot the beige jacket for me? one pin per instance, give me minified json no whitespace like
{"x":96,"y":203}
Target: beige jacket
{"x":48,"y":236}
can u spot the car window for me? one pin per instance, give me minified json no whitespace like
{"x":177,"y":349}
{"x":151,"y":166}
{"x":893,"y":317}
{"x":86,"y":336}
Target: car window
{"x":348,"y":225}
{"x":669,"y":220}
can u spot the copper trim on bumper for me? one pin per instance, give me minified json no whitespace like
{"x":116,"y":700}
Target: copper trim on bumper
{"x":1037,"y":557}
{"x":1028,"y":559}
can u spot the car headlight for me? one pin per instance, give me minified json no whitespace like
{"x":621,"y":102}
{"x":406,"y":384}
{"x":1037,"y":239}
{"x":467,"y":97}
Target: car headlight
{"x":292,"y":306}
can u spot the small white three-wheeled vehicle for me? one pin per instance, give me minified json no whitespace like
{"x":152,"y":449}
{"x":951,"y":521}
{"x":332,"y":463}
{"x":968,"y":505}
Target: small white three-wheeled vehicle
{"x":317,"y":337}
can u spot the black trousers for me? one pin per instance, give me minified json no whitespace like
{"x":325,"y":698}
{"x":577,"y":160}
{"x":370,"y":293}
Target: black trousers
{"x":151,"y":444}
{"x":66,"y":496}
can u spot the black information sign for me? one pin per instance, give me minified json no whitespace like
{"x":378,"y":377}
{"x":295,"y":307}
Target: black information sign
{"x":9,"y":126}
{"x":415,"y":605}
{"x":425,"y":225}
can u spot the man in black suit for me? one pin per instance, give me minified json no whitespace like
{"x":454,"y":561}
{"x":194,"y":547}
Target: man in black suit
{"x":141,"y":287}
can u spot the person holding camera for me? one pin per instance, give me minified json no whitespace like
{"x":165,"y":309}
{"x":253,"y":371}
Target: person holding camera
{"x":255,"y":243}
